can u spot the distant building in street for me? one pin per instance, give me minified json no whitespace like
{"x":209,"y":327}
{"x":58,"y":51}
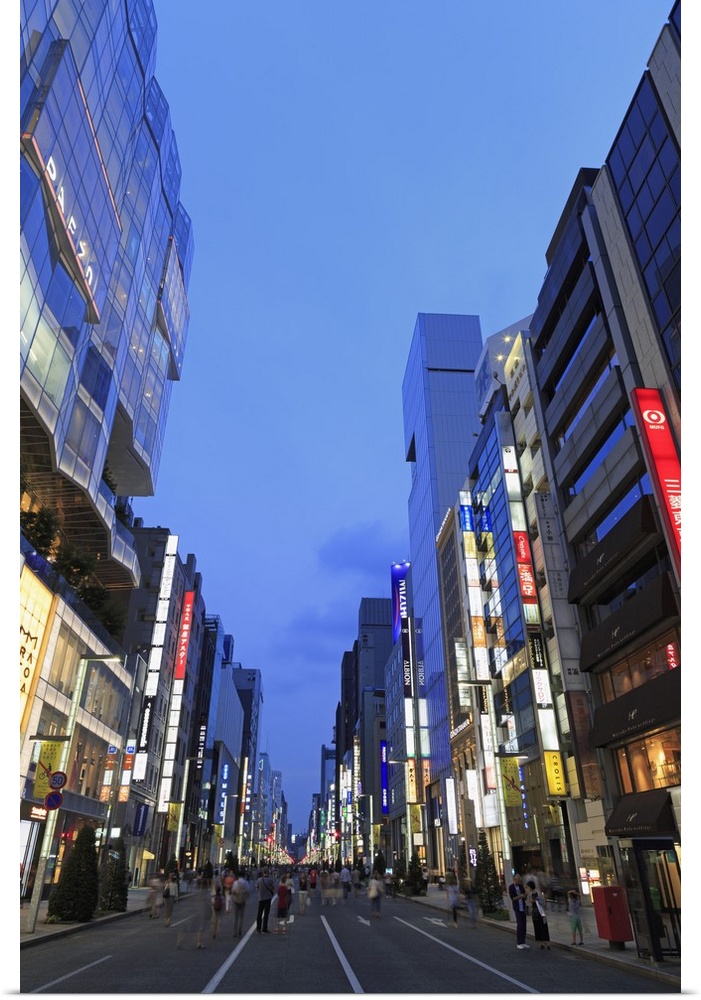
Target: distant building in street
{"x":439,"y":397}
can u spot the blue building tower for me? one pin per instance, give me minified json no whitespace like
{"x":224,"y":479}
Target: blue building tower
{"x":440,"y":407}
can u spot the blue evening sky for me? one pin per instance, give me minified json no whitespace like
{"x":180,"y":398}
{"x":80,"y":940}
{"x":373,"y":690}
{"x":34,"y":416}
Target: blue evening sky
{"x":347,"y":166}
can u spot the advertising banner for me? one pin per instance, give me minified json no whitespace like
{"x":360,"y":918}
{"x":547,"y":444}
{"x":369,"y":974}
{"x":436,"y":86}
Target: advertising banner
{"x":400,"y":607}
{"x":663,"y":463}
{"x":511,"y":781}
{"x":49,"y":759}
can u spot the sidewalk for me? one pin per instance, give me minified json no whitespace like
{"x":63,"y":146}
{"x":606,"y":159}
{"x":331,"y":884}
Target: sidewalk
{"x":594,"y":948}
{"x":136,"y":903}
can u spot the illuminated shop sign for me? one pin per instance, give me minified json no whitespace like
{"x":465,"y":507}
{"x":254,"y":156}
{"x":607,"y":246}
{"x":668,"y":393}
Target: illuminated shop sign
{"x":451,"y":806}
{"x":511,"y":781}
{"x":127,"y":771}
{"x":184,"y":637}
{"x":35,"y":607}
{"x":406,"y":660}
{"x":384,"y":776}
{"x":400,"y":608}
{"x":555,"y":772}
{"x":663,"y":463}
{"x":524,"y":567}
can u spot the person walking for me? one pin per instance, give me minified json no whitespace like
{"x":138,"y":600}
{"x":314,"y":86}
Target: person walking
{"x":207,"y":873}
{"x":198,"y":918}
{"x":375,"y":890}
{"x":228,"y":879}
{"x":453,"y":898}
{"x":518,"y":901}
{"x":574,"y":911}
{"x":541,"y":930}
{"x":335,"y":886}
{"x":217,"y":904}
{"x":312,"y":883}
{"x":324,"y":887}
{"x":471,"y":902}
{"x":345,"y":881}
{"x":170,"y":895}
{"x":266,"y":890}
{"x":284,"y":898}
{"x":239,"y":894}
{"x":155,"y":895}
{"x":355,"y":880}
{"x":302,"y":892}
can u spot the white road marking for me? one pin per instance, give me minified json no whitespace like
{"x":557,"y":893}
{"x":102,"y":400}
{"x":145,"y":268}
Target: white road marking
{"x":82,"y":968}
{"x":352,"y":979}
{"x":363,"y":920}
{"x":475,"y":961}
{"x":222,"y":971}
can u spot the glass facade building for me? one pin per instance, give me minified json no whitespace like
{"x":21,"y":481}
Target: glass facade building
{"x":439,"y":397}
{"x":106,"y":250}
{"x":105,"y":256}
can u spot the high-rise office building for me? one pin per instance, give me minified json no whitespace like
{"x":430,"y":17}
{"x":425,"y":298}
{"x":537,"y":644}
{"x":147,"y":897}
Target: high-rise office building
{"x":249,"y":685}
{"x":606,"y":342}
{"x":440,"y":421}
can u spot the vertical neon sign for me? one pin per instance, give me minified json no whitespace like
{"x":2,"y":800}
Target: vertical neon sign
{"x":663,"y":464}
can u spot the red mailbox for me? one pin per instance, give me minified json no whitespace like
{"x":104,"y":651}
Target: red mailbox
{"x":611,"y":911}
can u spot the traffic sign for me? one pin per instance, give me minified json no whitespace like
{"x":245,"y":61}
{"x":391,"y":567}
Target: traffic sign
{"x":58,"y":779}
{"x":53,"y":800}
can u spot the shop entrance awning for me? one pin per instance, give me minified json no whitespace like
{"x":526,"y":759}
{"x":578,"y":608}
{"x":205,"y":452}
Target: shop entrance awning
{"x":643,"y":814}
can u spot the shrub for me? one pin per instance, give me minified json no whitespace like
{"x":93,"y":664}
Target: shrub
{"x":114,"y":888}
{"x":76,"y":895}
{"x":414,"y":879}
{"x":487,"y":884}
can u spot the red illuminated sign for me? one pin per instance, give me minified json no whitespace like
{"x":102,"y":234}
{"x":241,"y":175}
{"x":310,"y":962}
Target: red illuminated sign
{"x":524,"y":567}
{"x":523,"y":548}
{"x":663,"y":463}
{"x":184,"y":637}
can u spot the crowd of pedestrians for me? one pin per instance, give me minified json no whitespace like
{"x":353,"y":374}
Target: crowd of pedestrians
{"x":278,"y":893}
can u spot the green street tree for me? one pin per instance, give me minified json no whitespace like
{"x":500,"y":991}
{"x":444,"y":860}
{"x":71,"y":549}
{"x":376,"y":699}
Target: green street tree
{"x":76,"y":895}
{"x":487,"y":882}
{"x":463,"y":872}
{"x":114,"y":888}
{"x":414,"y":879}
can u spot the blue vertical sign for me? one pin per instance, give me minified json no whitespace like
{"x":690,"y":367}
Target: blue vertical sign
{"x":384,"y":784}
{"x":400,"y":603}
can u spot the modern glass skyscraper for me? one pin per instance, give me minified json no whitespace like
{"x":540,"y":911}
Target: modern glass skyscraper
{"x":105,"y":256}
{"x":440,"y":408}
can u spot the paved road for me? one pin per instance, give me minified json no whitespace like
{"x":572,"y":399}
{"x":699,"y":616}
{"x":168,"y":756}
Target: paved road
{"x":340,"y":949}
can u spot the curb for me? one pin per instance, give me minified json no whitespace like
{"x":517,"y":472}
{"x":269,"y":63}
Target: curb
{"x":28,"y":940}
{"x":652,"y":971}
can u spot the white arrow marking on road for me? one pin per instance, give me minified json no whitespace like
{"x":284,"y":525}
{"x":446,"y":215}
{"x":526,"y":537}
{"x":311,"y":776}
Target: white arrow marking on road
{"x":435,"y":920}
{"x":364,"y":921}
